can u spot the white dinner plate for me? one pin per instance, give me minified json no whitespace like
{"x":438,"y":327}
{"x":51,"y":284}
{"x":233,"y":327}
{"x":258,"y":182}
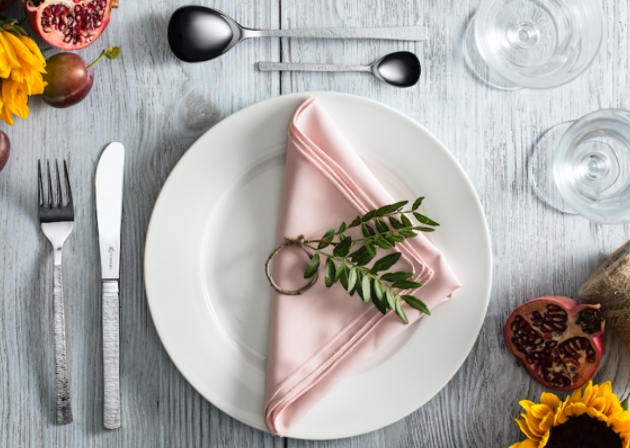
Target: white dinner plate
{"x":214,"y":225}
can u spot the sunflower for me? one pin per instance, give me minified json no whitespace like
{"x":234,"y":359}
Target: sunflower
{"x":21,"y":68}
{"x":591,"y":417}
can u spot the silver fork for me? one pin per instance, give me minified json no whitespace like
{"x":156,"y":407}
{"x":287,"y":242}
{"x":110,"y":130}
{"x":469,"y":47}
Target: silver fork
{"x":56,"y":215}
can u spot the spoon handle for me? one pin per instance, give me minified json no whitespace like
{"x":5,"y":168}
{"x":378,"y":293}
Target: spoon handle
{"x":408,"y":33}
{"x":290,"y":66}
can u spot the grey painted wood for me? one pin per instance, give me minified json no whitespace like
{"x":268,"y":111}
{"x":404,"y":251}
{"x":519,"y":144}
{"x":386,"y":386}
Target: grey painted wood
{"x":158,"y":106}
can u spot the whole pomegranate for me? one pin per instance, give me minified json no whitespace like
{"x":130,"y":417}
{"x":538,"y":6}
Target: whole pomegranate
{"x":5,"y":149}
{"x":68,"y":79}
{"x":69,"y":24}
{"x":6,"y":4}
{"x":559,"y":341}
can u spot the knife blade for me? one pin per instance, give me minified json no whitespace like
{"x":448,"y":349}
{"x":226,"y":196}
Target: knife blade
{"x":109,"y":199}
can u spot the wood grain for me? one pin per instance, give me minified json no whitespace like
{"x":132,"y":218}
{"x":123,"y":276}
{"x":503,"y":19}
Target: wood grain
{"x":158,"y":106}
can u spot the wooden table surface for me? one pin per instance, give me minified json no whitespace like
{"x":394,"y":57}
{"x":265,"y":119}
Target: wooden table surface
{"x":159,"y":106}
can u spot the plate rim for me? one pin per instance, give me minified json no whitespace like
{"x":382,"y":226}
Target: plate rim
{"x":487,"y":243}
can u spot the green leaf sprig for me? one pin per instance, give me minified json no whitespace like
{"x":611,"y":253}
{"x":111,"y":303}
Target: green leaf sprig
{"x":347,"y":263}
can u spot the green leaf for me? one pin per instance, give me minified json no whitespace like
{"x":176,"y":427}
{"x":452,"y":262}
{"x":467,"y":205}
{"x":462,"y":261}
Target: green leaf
{"x":328,"y":236}
{"x":329,"y":272}
{"x":388,"y":209}
{"x":360,"y":252}
{"x":407,"y":233}
{"x":386,"y":262}
{"x":424,"y":229}
{"x":394,"y":207}
{"x":370,"y":215}
{"x":355,"y":223}
{"x":311,"y":270}
{"x":352,"y":279}
{"x":381,"y":226}
{"x":425,"y":220}
{"x":395,"y":223}
{"x":396,"y":276}
{"x":371,"y":249}
{"x":401,"y":312}
{"x":393,"y":236}
{"x":342,"y":228}
{"x":366,"y":288}
{"x":380,"y":305}
{"x":391,"y":298}
{"x":112,"y":53}
{"x":362,"y":257}
{"x":624,"y":403}
{"x":407,"y":284}
{"x":378,"y":296}
{"x":379,"y":292}
{"x":342,"y":249}
{"x":367,"y":230}
{"x":417,"y":204}
{"x":417,"y":304}
{"x":359,"y":286}
{"x":343,"y":279}
{"x":340,"y":269}
{"x":406,"y":221}
{"x":383,"y":243}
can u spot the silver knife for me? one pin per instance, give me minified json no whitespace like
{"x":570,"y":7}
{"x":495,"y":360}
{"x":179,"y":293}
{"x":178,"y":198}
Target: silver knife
{"x":109,"y":197}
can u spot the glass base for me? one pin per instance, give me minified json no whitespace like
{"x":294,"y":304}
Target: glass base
{"x":540,"y":168}
{"x":477,"y":65}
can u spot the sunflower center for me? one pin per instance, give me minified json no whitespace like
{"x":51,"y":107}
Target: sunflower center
{"x":583,"y":432}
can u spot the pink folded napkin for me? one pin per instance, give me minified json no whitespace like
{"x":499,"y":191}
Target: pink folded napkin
{"x":319,"y":337}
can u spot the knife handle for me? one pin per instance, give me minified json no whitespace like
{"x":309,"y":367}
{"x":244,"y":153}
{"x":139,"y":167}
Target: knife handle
{"x":111,"y":355}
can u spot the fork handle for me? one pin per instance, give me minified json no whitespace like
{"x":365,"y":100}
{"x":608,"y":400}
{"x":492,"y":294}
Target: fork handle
{"x":64,"y":407}
{"x":111,"y":355}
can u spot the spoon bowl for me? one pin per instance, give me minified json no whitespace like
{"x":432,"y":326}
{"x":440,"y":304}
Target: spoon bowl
{"x":197,"y":33}
{"x":399,"y":69}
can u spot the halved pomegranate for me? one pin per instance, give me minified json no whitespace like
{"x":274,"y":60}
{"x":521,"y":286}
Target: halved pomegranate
{"x":559,"y":341}
{"x":69,"y":24}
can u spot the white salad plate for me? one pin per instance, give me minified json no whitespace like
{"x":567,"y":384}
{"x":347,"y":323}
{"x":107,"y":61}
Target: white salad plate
{"x":214,"y":225}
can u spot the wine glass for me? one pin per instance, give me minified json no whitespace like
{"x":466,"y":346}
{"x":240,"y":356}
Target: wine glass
{"x":538,"y":44}
{"x":584,"y":166}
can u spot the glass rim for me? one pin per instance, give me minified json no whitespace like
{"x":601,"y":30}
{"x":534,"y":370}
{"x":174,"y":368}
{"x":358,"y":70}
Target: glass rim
{"x":556,"y":78}
{"x":576,"y":201}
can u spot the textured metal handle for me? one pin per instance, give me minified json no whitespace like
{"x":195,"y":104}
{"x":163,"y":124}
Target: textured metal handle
{"x":408,"y":33}
{"x":64,"y":408}
{"x":291,"y":66}
{"x":111,"y":356}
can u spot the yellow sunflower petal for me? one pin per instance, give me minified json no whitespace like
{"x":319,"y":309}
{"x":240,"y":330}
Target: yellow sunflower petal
{"x":21,"y":51}
{"x":540,"y":410}
{"x":8,"y":50}
{"x":32,"y":46}
{"x":550,"y":400}
{"x":21,"y":68}
{"x":525,"y":444}
{"x":525,"y":429}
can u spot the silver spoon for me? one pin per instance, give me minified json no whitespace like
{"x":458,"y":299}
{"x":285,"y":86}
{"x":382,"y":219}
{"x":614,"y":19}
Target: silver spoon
{"x":197,"y":33}
{"x":400,"y":69}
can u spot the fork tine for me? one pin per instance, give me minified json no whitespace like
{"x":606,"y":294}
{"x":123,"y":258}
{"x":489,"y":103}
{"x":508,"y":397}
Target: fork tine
{"x":60,"y":200}
{"x":51,"y":198}
{"x":39,"y":181}
{"x":68,"y":189}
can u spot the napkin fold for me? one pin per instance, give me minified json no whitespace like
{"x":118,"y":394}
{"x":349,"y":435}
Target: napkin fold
{"x":319,"y":337}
